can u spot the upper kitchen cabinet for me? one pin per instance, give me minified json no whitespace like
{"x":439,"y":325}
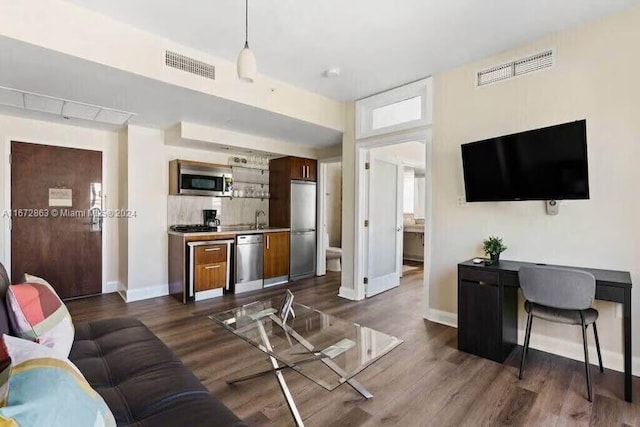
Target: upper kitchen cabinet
{"x":300,"y":169}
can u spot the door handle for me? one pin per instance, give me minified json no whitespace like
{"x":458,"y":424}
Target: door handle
{"x":211,"y":249}
{"x":209,"y":267}
{"x":267,"y":241}
{"x":398,"y":228}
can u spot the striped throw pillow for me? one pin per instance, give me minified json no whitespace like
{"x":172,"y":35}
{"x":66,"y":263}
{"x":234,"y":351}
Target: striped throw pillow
{"x":37,"y":314}
{"x":42,"y":388}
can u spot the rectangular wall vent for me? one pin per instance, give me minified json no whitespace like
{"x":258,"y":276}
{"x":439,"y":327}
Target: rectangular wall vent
{"x":190,"y":65}
{"x":519,"y":67}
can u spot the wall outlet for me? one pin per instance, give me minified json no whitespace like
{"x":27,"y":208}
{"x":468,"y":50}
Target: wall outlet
{"x":462,"y":201}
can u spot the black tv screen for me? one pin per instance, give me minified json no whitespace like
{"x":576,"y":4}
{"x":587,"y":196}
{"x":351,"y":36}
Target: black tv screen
{"x":541,"y":164}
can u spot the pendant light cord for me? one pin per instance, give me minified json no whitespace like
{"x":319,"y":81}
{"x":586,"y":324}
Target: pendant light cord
{"x":246,"y":23}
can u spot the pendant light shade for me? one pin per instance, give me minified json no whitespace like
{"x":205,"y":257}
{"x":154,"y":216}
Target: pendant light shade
{"x":247,"y":67}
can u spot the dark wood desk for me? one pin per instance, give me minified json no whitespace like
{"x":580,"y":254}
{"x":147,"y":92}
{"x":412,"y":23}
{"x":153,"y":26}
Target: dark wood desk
{"x":487,"y":301}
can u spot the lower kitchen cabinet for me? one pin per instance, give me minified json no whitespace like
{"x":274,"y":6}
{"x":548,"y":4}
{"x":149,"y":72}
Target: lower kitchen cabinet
{"x":276,"y":258}
{"x":210,"y":276}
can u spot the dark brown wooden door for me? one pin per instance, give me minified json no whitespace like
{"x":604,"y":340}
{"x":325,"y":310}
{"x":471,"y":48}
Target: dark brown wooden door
{"x":311,"y":171}
{"x":276,"y":255}
{"x":62,"y":244}
{"x":297,"y":170}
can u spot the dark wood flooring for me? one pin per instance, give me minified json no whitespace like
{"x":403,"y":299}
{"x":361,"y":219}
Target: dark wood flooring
{"x":424,"y":382}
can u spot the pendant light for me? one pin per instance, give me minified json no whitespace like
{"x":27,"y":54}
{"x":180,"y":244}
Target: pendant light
{"x":247,"y":68}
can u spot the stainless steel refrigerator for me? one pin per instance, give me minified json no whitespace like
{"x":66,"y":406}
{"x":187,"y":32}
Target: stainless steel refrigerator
{"x":303,"y":229}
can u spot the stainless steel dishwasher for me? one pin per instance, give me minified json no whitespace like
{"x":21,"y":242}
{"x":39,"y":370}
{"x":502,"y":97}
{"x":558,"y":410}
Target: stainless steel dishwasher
{"x":249,"y":253}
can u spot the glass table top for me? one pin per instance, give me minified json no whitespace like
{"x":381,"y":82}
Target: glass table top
{"x":323,"y":348}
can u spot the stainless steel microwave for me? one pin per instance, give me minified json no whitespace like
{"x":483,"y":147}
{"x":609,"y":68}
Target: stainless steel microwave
{"x":201,"y":179}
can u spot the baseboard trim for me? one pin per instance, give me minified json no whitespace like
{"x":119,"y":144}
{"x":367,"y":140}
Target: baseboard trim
{"x":443,"y":317}
{"x":131,"y":295}
{"x":111,"y":287}
{"x":347,"y":293}
{"x":571,"y":350}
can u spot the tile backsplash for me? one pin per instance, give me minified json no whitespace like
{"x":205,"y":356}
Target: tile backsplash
{"x":188,"y":210}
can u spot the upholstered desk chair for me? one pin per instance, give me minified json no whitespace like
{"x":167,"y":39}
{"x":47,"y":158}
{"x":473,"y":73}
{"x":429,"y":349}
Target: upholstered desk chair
{"x":563,"y":296}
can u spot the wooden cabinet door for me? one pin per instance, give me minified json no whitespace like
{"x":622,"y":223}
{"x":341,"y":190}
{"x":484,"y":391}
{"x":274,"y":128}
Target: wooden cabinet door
{"x":479,"y":320}
{"x":210,"y":276}
{"x":297,"y":168}
{"x":276,"y":254}
{"x":311,"y":169}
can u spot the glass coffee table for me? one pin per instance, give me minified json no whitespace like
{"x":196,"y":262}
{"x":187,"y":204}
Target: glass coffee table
{"x":325,"y":349}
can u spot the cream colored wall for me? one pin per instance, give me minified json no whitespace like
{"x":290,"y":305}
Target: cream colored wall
{"x":103,"y":40}
{"x":348,"y":202}
{"x":34,"y":131}
{"x":595,"y":78}
{"x":334,"y":204}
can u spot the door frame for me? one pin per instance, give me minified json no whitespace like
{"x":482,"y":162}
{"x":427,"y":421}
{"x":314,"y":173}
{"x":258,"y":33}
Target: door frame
{"x":361,"y":203}
{"x":321,"y":261}
{"x":7,"y":197}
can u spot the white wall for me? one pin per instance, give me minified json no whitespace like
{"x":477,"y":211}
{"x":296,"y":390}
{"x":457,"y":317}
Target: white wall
{"x":595,"y":78}
{"x":39,"y":132}
{"x":334,"y":204}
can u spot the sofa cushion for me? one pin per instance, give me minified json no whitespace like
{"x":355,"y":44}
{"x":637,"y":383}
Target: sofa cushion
{"x":38,"y":314}
{"x":142,"y":381}
{"x":41,"y":387}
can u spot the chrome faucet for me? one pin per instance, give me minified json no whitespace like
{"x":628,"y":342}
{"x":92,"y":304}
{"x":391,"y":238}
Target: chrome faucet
{"x":258,"y":213}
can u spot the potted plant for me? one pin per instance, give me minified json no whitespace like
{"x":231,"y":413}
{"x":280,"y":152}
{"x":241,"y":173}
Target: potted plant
{"x":493,"y":247}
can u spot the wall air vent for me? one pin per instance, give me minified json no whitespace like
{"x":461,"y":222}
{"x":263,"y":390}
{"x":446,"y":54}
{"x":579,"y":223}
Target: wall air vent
{"x":190,"y":65}
{"x":515,"y":68}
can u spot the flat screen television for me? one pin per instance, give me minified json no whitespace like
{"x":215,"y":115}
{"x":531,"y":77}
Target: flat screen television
{"x":542,"y":164}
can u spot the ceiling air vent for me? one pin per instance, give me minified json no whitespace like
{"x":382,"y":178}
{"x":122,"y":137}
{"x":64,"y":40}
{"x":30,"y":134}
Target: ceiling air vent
{"x":190,"y":65}
{"x":519,"y":67}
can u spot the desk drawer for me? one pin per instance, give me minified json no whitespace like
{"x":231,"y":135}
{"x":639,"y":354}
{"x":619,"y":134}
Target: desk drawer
{"x":610,"y":293}
{"x":477,"y":275}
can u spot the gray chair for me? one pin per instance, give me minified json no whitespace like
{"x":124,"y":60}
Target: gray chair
{"x":563,"y":296}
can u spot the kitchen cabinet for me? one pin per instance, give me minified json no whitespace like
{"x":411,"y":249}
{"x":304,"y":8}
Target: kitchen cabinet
{"x":293,"y":205}
{"x":208,"y":256}
{"x":210,"y":267}
{"x":302,"y":169}
{"x":276,"y":257}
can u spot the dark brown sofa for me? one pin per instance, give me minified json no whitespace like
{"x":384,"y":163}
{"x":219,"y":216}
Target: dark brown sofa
{"x":140,"y":379}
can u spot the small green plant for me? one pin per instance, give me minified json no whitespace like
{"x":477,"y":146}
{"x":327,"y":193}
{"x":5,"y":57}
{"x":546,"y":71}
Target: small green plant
{"x":493,"y":246}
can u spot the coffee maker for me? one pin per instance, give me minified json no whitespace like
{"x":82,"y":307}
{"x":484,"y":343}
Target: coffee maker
{"x":209,"y":217}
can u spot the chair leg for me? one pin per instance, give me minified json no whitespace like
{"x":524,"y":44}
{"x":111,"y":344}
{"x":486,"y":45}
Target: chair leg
{"x":525,"y":348}
{"x":595,"y":334}
{"x":586,"y":357}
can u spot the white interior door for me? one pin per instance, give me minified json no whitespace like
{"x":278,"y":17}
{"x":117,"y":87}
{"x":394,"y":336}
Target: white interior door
{"x":384,"y":263}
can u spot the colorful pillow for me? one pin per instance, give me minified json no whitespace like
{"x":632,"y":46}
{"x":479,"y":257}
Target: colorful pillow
{"x":41,"y":388}
{"x":37,"y":314}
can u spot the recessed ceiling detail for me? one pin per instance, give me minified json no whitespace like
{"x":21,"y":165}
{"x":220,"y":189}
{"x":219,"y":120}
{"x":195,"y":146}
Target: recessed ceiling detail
{"x":62,"y":107}
{"x":190,"y":65}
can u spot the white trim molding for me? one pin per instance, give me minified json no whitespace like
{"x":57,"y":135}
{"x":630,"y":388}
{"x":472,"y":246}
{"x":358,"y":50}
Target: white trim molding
{"x":131,"y":295}
{"x":442,"y":317}
{"x":111,"y":287}
{"x":365,"y":108}
{"x":347,"y":293}
{"x":571,"y":350}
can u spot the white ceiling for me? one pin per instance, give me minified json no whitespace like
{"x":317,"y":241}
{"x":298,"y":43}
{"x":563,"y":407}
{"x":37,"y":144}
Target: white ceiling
{"x":34,"y":69}
{"x":378,"y":44}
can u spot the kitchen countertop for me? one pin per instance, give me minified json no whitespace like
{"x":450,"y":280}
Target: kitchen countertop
{"x":231,"y":230}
